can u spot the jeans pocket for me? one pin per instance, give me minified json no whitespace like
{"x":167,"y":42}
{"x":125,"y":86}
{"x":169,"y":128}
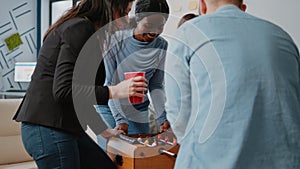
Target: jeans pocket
{"x":32,"y":140}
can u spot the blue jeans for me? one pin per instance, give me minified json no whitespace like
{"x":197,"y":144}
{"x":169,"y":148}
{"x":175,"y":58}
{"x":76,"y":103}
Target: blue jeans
{"x":55,"y":149}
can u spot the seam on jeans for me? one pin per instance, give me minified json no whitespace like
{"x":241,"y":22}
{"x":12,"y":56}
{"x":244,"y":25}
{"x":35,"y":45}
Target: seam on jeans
{"x":40,"y":153}
{"x":54,"y":136}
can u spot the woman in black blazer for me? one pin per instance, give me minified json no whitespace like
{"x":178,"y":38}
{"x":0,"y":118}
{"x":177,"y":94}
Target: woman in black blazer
{"x":51,"y":131}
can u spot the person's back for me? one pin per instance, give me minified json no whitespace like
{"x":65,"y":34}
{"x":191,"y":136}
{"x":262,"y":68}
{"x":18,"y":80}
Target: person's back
{"x":246,"y":90}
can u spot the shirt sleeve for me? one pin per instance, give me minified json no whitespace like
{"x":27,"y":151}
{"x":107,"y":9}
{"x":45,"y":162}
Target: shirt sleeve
{"x":68,"y":85}
{"x":69,"y":51}
{"x":112,"y":79}
{"x":178,"y":86}
{"x":102,"y":92}
{"x":116,"y":110}
{"x":157,"y":93}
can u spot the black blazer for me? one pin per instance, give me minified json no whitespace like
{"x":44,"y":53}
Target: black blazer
{"x":49,"y":101}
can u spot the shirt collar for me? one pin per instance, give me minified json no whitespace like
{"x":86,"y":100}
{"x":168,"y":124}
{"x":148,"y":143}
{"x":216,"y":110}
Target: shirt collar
{"x":227,"y":8}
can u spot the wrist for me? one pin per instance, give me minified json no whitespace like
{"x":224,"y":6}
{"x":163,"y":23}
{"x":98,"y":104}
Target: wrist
{"x":161,"y":122}
{"x":111,"y":92}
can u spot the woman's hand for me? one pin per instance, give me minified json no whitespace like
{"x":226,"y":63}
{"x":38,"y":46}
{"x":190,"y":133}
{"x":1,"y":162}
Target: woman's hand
{"x":132,"y":87}
{"x":164,"y":127}
{"x":122,"y":128}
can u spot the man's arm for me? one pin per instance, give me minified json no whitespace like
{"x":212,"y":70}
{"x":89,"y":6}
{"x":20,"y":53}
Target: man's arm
{"x":178,"y":87}
{"x":112,"y":79}
{"x":157,"y":93}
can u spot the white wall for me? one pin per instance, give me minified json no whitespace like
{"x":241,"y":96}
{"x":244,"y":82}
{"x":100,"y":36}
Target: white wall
{"x":178,"y":8}
{"x":58,"y":9}
{"x":45,"y":17}
{"x":283,"y":13}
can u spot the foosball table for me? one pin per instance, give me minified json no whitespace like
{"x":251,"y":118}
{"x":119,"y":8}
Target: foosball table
{"x":143,"y":151}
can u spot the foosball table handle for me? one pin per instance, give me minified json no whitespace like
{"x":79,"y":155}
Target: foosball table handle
{"x":164,"y":151}
{"x":119,"y":160}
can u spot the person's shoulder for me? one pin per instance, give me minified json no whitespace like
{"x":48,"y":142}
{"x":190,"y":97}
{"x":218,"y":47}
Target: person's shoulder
{"x":161,"y":42}
{"x":123,"y":32}
{"x":270,"y":26}
{"x":161,"y":39}
{"x":77,"y":23}
{"x":121,"y":35}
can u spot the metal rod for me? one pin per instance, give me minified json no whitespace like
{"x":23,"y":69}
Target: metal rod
{"x":162,"y":150}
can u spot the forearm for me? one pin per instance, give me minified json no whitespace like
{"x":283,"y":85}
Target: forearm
{"x":116,"y":110}
{"x":178,"y":88}
{"x":158,"y":101}
{"x":113,"y":92}
{"x":162,"y":118}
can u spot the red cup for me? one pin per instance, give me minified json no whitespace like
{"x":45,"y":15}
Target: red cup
{"x":135,"y":99}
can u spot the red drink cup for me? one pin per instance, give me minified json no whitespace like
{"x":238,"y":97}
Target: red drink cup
{"x":135,"y":99}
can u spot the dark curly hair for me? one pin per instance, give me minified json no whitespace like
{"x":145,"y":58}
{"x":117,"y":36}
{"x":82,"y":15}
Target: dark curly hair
{"x":145,"y":8}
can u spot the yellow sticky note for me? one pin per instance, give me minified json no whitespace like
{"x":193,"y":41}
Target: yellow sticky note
{"x":13,"y":41}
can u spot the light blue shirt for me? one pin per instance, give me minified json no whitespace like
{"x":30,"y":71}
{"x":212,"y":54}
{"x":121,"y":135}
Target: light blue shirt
{"x":233,"y":93}
{"x":126,"y":54}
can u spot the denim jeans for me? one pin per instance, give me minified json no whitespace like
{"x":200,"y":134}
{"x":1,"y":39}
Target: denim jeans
{"x":55,"y":149}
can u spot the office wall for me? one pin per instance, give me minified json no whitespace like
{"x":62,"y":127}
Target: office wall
{"x":283,"y":13}
{"x":19,"y":16}
{"x":178,"y":8}
{"x":57,"y":10}
{"x":45,"y":17}
{"x":16,"y":16}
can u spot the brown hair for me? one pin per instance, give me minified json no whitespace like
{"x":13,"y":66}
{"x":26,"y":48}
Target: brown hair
{"x":185,"y":18}
{"x":98,"y":12}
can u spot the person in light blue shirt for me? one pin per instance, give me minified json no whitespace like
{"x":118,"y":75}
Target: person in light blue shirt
{"x":233,"y":91}
{"x":138,"y":49}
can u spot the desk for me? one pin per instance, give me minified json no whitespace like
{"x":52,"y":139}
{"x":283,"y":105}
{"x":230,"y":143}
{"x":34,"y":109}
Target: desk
{"x":4,"y":95}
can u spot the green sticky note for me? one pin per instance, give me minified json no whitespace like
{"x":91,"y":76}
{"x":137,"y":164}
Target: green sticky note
{"x":13,"y":41}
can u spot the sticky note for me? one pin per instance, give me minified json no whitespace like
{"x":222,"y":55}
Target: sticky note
{"x":13,"y":41}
